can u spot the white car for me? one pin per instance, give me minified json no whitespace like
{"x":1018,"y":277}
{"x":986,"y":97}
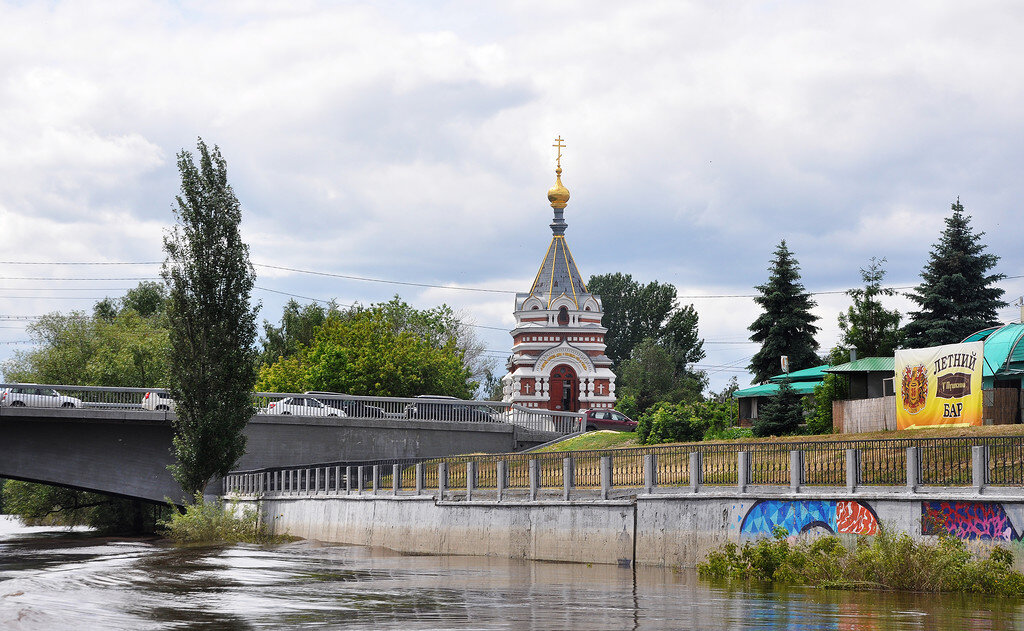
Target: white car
{"x":157,"y":401}
{"x":36,"y":397}
{"x":303,"y":406}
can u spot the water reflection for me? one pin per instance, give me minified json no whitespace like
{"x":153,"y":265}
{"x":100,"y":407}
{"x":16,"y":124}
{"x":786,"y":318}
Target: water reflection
{"x":73,"y":580}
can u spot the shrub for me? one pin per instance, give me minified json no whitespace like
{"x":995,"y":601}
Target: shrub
{"x":213,"y":522}
{"x":887,"y":561}
{"x":627,"y":405}
{"x":781,"y":415}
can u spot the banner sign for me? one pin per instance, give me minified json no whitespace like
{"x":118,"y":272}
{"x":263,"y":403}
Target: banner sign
{"x":940,"y":385}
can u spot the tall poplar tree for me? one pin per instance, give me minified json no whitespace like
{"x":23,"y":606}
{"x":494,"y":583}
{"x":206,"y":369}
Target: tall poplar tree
{"x":958,"y":295}
{"x":787,"y":325}
{"x":212,"y":326}
{"x":867,"y":325}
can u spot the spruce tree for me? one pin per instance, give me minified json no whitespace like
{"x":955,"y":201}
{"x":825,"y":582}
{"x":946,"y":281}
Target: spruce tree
{"x":212,"y":326}
{"x":958,"y":295}
{"x":787,"y":325}
{"x":781,"y":414}
{"x":868,"y":326}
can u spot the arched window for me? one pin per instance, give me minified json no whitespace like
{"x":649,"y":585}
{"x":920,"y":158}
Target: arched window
{"x":535,"y":307}
{"x":563,"y":316}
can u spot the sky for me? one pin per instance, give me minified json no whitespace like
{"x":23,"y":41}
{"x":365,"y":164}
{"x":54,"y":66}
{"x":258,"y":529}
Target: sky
{"x":412,"y":142}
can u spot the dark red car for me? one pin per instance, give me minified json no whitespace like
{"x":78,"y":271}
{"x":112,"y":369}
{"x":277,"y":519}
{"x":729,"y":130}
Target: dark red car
{"x":608,"y":419}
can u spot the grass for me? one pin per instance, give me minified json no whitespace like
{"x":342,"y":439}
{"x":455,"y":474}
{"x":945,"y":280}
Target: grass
{"x":889,"y":561}
{"x":605,"y":439}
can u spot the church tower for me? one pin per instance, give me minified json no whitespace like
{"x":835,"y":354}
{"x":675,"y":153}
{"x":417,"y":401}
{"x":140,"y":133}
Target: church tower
{"x":558,"y":357}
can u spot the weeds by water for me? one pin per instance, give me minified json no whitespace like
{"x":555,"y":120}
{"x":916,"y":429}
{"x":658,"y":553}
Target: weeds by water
{"x":215,"y":522}
{"x":887,"y":561}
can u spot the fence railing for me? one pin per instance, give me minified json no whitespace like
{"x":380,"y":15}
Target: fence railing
{"x":909,"y":463}
{"x":316,"y":404}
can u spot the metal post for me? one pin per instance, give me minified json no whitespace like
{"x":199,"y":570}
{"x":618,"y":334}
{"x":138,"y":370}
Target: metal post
{"x":396,"y":478}
{"x":534,"y":470}
{"x":309,"y":478}
{"x":796,"y":470}
{"x":650,"y":472}
{"x":359,"y":479}
{"x":470,"y":479}
{"x":502,"y":477}
{"x":606,"y":477}
{"x":376,"y":478}
{"x":442,"y":479}
{"x":348,"y":480}
{"x":913,"y":469}
{"x":316,"y":482}
{"x":979,"y":467}
{"x":852,"y":470}
{"x":567,"y":471}
{"x":742,"y":470}
{"x":337,"y":479}
{"x":419,"y":478}
{"x":695,"y":473}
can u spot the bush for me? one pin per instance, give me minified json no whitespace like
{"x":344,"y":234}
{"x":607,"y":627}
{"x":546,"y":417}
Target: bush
{"x":887,"y":561}
{"x":213,"y":522}
{"x":670,"y":423}
{"x":627,"y":405}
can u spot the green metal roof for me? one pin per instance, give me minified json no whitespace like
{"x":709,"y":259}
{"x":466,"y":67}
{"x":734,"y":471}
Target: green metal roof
{"x":1002,"y":349}
{"x":771,"y":389}
{"x":867,"y":364}
{"x":807,"y":374}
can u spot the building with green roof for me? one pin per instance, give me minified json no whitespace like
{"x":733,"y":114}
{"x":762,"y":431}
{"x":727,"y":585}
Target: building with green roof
{"x":750,"y":399}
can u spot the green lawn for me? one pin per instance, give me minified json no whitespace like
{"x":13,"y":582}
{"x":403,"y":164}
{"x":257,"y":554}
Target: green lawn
{"x":605,"y":439}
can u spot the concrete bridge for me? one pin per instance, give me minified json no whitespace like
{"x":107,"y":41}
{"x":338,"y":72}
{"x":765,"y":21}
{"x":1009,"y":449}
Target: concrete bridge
{"x":108,"y":441}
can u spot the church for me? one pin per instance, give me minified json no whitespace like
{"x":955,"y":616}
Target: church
{"x":558,"y":357}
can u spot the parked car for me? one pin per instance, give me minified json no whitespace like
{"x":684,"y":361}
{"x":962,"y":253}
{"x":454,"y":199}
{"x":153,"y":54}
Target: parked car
{"x":444,"y":408}
{"x":608,"y":419}
{"x":157,"y":401}
{"x":302,"y":406}
{"x":38,"y":397}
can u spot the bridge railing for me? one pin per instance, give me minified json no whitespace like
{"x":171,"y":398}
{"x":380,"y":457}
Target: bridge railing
{"x":322,"y":404}
{"x":993,"y":463}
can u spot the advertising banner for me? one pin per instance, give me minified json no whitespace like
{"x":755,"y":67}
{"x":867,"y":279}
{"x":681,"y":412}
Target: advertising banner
{"x":940,"y":385}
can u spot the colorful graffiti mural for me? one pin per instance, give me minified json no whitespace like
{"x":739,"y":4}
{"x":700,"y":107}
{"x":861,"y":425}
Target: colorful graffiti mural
{"x":967,"y":520}
{"x":797,"y":516}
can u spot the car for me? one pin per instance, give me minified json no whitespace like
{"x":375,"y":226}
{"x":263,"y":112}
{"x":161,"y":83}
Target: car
{"x":608,"y":419}
{"x":30,"y":395}
{"x":302,"y":406}
{"x":351,"y":407}
{"x":157,"y":401}
{"x":445,"y":408}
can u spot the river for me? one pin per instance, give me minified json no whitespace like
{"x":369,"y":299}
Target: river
{"x":56,"y":579}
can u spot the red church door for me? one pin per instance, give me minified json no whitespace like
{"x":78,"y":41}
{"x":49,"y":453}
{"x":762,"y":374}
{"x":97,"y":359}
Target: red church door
{"x":565,"y":389}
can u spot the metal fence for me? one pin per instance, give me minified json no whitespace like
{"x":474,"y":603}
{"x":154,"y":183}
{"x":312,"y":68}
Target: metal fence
{"x":945,"y":462}
{"x":316,"y":404}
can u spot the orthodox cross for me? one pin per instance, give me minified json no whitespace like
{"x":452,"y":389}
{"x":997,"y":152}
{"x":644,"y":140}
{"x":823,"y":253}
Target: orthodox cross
{"x":526,"y":388}
{"x":558,"y":143}
{"x":600,"y":388}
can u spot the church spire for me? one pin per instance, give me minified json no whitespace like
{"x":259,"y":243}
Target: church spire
{"x":558,"y":195}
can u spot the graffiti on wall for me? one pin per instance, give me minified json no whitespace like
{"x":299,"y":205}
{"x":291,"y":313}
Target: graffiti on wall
{"x":798,"y":516}
{"x":967,"y":520}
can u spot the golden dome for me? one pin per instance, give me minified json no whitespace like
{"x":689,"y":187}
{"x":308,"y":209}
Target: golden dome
{"x":558,"y":195}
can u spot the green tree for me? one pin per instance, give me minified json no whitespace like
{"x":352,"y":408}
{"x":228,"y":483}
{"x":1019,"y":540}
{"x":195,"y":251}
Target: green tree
{"x":867,"y":326}
{"x":833,"y":387}
{"x":298,"y":325}
{"x":787,"y":325}
{"x":781,"y":414}
{"x":212,"y":325}
{"x":651,"y":374}
{"x":957,"y":295}
{"x":387,"y":349}
{"x":633,"y":312}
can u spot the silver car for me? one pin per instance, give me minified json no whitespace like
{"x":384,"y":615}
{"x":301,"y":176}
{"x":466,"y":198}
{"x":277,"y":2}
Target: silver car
{"x":302,"y":406}
{"x":36,"y":397}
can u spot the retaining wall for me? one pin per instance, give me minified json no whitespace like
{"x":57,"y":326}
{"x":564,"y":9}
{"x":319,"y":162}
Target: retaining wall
{"x":657,"y":529}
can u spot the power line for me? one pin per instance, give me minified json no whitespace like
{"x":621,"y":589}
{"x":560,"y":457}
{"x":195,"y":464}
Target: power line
{"x":382,"y":280}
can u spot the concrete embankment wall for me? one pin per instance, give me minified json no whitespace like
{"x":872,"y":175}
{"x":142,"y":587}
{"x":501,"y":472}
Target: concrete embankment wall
{"x":659,"y":529}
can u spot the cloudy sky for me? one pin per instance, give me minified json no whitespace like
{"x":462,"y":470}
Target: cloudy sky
{"x":411,"y":142}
